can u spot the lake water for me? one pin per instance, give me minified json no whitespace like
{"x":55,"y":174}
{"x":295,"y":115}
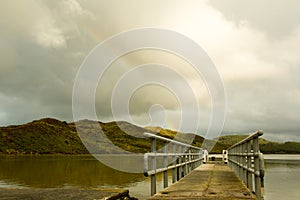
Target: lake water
{"x":282,"y":179}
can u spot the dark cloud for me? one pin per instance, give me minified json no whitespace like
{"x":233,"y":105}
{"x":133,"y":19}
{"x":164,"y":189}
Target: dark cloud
{"x":255,"y":46}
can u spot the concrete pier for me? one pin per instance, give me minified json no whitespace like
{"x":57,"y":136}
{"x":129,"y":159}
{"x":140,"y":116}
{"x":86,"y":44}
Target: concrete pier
{"x":207,"y":182}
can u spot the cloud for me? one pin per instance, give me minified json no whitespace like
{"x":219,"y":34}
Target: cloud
{"x":255,"y":48}
{"x":32,"y":19}
{"x":276,"y":18}
{"x":73,"y":7}
{"x":49,"y":36}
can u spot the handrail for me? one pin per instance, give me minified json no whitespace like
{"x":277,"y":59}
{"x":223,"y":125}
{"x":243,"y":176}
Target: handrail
{"x":250,"y":137}
{"x":247,"y":162}
{"x":151,"y":135}
{"x":177,"y":156}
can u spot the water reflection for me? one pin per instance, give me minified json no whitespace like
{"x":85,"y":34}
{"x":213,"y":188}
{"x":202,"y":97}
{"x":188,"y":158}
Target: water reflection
{"x":282,"y":178}
{"x":62,"y":171}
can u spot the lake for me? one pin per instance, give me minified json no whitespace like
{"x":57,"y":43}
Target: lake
{"x":282,"y":179}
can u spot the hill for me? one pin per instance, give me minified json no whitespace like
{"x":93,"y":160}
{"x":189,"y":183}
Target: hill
{"x":51,"y":136}
{"x":265,"y":146}
{"x":45,"y":136}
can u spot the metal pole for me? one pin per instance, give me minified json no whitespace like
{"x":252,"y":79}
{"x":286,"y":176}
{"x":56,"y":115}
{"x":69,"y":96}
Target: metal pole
{"x":244,"y":163}
{"x":166,"y":165}
{"x":190,"y":159}
{"x":184,"y":165}
{"x":240,"y":162}
{"x":174,"y":173}
{"x":180,"y":162}
{"x":235,"y":159}
{"x":249,"y":165}
{"x":256,"y":168}
{"x":153,"y":159}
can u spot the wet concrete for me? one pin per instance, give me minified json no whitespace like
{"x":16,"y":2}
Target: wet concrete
{"x":207,"y":182}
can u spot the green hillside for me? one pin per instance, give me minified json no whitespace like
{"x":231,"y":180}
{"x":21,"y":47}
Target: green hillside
{"x":264,"y":145}
{"x":281,"y":148}
{"x":51,"y":136}
{"x":45,"y":136}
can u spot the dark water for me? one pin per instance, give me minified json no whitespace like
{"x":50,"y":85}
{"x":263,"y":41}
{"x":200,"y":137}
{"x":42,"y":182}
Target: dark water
{"x":62,"y":171}
{"x":282,"y":179}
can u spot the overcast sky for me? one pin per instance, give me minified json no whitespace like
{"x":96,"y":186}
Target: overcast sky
{"x":254,"y":44}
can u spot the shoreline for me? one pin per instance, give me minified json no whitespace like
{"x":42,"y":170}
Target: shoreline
{"x":111,"y":154}
{"x":62,"y":193}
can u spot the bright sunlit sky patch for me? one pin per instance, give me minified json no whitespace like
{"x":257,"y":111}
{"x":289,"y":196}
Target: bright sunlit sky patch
{"x":254,"y":44}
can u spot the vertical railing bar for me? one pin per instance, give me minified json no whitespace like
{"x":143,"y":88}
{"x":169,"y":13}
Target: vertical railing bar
{"x":165,"y":165}
{"x":183,"y":160}
{"x":243,"y":160}
{"x":153,"y":159}
{"x":245,"y":163}
{"x":174,"y":173}
{"x":180,"y":162}
{"x":256,"y":169}
{"x":186,"y":163}
{"x":249,"y":166}
{"x":190,"y":159}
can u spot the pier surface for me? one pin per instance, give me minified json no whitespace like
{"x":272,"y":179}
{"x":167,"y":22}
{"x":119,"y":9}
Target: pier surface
{"x":207,"y":182}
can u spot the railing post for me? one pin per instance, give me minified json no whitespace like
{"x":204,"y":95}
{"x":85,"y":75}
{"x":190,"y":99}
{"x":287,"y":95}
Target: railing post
{"x":256,"y":168}
{"x":182,"y":161}
{"x":174,"y":160}
{"x":261,"y":172}
{"x":240,"y":161}
{"x":200,"y":152}
{"x":184,"y":166}
{"x":248,"y":163}
{"x":153,"y":159}
{"x":235,"y":158}
{"x":199,"y":157}
{"x":166,"y":165}
{"x":190,"y":165}
{"x":249,"y":166}
{"x":244,"y":163}
{"x":179,"y":175}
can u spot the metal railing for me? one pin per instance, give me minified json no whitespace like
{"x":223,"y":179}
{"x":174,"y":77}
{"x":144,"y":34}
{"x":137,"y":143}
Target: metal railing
{"x":179,"y":157}
{"x":247,"y":162}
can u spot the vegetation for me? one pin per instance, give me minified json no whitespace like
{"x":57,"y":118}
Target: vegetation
{"x":281,"y":148}
{"x":45,"y":136}
{"x":51,"y":136}
{"x":265,"y":146}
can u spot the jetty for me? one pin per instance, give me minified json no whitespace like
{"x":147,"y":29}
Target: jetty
{"x":208,"y":181}
{"x":235,"y":174}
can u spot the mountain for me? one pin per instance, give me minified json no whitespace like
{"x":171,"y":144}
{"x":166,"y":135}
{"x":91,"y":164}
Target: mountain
{"x":45,"y":136}
{"x":51,"y":136}
{"x":265,"y":146}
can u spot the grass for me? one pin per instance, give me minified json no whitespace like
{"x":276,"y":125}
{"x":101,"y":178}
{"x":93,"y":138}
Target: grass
{"x":51,"y":136}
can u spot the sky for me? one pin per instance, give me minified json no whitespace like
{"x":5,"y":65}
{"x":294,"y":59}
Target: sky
{"x":255,"y":46}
